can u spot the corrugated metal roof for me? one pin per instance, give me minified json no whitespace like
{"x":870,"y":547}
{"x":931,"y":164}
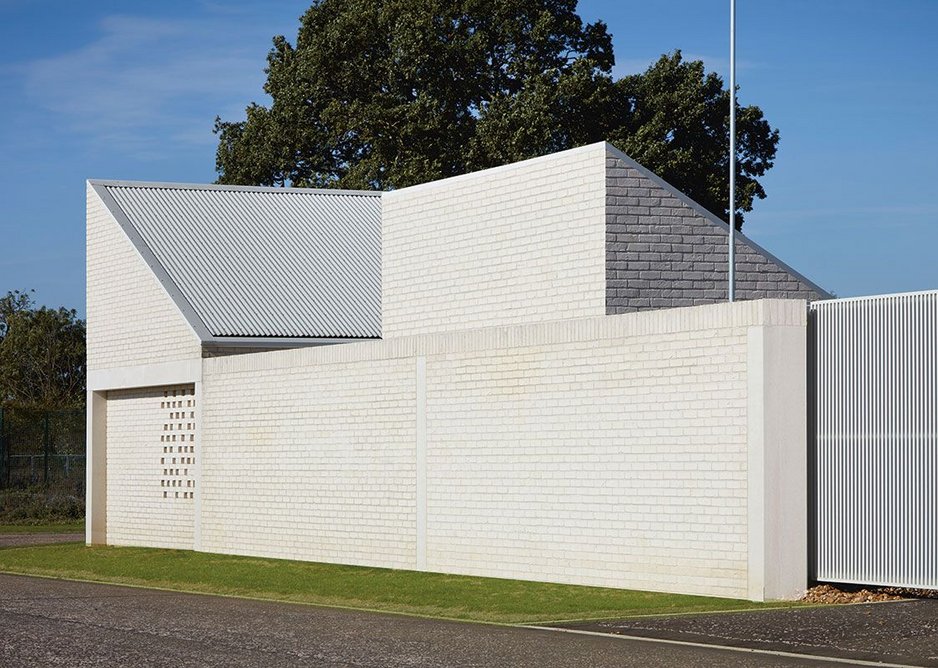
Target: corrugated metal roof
{"x":262,"y":262}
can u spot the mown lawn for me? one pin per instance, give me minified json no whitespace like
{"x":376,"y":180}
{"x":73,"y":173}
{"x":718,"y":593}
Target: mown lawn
{"x":410,"y":592}
{"x":54,"y":527}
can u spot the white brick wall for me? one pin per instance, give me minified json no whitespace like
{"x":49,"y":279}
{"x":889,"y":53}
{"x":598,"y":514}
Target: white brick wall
{"x":606,"y":451}
{"x":504,"y":427}
{"x":616,"y":462}
{"x":310,"y":462}
{"x":138,"y":513}
{"x":516,"y":244}
{"x":131,"y":320}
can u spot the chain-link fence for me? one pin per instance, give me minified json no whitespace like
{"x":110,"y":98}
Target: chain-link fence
{"x":42,"y":447}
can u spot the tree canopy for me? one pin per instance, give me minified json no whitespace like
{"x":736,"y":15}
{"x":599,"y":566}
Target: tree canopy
{"x":391,"y":93}
{"x":42,"y":354}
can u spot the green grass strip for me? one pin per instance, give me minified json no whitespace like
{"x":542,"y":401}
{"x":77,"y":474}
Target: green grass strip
{"x":57,"y":527}
{"x":380,"y":589}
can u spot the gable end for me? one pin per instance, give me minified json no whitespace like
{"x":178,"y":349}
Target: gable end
{"x":663,"y":250}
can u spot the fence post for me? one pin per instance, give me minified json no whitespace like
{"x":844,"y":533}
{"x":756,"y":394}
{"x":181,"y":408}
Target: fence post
{"x":3,"y":450}
{"x":45,"y":449}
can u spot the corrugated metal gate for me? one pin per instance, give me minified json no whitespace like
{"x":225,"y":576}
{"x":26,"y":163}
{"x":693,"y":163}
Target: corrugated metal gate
{"x":875,"y":456}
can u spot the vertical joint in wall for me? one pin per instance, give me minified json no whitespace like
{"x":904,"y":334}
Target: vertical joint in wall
{"x":199,"y":454}
{"x":421,"y":462}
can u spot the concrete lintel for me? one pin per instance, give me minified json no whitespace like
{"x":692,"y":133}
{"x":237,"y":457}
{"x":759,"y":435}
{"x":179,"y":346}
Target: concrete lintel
{"x":146,"y":375}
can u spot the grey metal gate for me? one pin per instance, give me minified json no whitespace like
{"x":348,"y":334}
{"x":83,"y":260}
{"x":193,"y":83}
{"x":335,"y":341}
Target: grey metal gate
{"x":875,"y":455}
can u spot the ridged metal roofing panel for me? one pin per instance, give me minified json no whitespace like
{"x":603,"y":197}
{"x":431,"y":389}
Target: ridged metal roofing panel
{"x":265,"y":262}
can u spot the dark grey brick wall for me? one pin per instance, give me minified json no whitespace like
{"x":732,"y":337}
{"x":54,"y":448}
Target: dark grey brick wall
{"x":661,"y":252}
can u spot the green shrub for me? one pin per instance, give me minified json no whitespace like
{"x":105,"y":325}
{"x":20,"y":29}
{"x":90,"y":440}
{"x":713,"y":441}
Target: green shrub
{"x":41,"y":505}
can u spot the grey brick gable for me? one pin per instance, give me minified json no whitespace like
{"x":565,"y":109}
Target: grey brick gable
{"x":663,"y":250}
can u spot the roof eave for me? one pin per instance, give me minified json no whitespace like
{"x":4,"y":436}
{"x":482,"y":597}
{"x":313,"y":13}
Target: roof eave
{"x":118,"y":183}
{"x":283,"y":341}
{"x":279,"y":342}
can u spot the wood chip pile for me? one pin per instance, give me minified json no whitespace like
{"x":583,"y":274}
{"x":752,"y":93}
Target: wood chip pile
{"x":826,"y":593}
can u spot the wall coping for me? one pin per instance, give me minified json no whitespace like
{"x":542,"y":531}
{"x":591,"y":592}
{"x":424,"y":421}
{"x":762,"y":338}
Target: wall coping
{"x":762,"y":312}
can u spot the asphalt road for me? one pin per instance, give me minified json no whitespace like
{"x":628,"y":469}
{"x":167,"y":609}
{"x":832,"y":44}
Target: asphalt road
{"x":900,"y":632}
{"x":60,"y":623}
{"x":21,"y":539}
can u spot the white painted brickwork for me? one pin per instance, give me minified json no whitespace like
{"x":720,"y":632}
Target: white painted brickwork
{"x":615,"y":462}
{"x":141,"y":509}
{"x":309,"y":462}
{"x":131,"y":320}
{"x":516,"y":244}
{"x":605,"y":451}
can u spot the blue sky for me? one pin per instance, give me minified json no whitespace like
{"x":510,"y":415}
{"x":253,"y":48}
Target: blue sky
{"x":130,"y":90}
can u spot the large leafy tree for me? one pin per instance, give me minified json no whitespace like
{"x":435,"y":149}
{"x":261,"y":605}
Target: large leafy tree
{"x":390,"y":93}
{"x":42,"y":354}
{"x":675,"y":121}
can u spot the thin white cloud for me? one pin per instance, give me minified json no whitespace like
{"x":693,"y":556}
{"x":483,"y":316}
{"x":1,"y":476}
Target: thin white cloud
{"x":721,"y":64}
{"x":145,"y":86}
{"x":884,"y":210}
{"x":866,"y":220}
{"x":626,"y":66}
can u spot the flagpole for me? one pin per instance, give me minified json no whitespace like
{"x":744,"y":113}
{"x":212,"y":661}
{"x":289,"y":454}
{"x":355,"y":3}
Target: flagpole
{"x":731,"y":287}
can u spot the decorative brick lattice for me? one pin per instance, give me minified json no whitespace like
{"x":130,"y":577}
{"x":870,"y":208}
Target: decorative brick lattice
{"x":177,"y":459}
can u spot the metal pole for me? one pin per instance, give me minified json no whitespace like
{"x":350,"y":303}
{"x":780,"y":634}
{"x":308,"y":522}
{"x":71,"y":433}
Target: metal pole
{"x":731,"y":287}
